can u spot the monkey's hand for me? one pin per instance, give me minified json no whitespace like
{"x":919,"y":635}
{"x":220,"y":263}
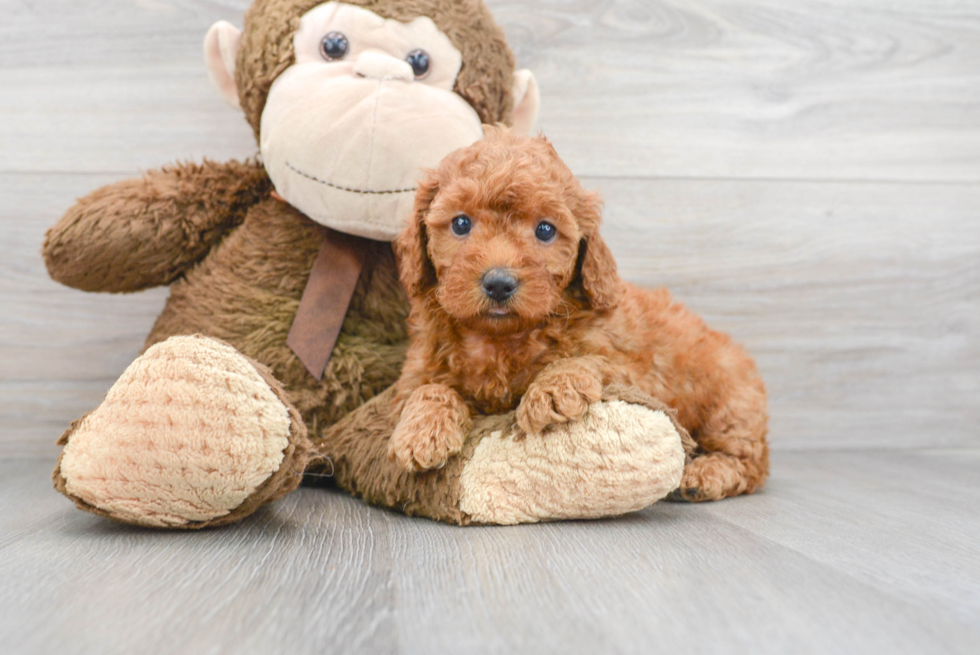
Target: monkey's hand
{"x":433,"y":425}
{"x":560,"y":393}
{"x":145,"y":232}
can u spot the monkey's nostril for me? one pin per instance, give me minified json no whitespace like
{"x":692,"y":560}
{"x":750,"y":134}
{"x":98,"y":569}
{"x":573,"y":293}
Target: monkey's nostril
{"x":499,"y":285}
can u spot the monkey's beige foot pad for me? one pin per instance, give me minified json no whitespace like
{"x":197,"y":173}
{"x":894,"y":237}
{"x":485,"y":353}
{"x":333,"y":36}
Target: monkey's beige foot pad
{"x":193,"y":434}
{"x":621,"y":457}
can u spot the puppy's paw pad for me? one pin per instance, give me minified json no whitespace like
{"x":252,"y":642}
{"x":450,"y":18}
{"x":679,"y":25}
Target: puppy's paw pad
{"x":684,"y":495}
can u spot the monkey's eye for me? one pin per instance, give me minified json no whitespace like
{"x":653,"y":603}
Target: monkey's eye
{"x":419,"y":61}
{"x":334,"y":46}
{"x":462,"y":225}
{"x":545,"y":232}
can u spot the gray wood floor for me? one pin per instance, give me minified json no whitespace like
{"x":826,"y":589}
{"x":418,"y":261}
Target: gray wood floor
{"x":856,"y":552}
{"x":805,"y":174}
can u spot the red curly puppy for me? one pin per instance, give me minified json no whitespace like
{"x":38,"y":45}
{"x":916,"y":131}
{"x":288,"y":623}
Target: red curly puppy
{"x":516,"y":303}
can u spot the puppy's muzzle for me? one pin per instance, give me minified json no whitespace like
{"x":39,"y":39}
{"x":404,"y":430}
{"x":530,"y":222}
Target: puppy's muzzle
{"x":499,"y":284}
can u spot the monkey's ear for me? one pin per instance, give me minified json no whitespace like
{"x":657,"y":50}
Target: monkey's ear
{"x":220,"y":50}
{"x":527,"y":101}
{"x":411,"y":246}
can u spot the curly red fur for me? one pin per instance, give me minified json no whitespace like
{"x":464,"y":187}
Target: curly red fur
{"x":571,"y":326}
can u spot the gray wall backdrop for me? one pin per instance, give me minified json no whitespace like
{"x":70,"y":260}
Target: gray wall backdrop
{"x":804,"y":174}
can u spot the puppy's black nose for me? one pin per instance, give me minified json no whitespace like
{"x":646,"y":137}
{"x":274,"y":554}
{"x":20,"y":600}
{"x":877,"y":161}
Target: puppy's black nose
{"x":498,"y":284}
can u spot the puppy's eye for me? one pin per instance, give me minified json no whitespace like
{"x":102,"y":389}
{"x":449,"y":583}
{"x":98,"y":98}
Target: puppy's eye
{"x":545,"y":232}
{"x":419,"y":61}
{"x":462,"y":225}
{"x":334,"y":46}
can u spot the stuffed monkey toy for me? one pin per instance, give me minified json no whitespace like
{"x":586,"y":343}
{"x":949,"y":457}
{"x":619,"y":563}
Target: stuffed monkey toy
{"x":286,"y":323}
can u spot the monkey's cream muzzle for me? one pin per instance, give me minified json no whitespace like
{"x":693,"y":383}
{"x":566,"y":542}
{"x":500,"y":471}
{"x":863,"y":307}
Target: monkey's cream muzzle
{"x":344,"y":134}
{"x":343,"y":140}
{"x":346,"y":152}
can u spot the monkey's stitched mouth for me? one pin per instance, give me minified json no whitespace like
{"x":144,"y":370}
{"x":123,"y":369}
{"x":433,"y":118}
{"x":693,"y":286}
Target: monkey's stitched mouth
{"x":348,"y":189}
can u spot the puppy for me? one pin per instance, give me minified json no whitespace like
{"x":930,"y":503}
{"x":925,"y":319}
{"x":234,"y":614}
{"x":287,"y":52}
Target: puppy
{"x":515,"y":302}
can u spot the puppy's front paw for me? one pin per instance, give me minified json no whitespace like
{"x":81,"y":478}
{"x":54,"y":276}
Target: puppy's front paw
{"x":558,"y":395}
{"x":432,"y":428}
{"x":419,"y":446}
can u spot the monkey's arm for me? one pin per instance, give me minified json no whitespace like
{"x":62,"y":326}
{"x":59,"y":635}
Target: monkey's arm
{"x":145,"y":232}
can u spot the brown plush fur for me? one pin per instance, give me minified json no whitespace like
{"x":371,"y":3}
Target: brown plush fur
{"x":485,"y":80}
{"x":353,"y":452}
{"x":245,"y":289}
{"x":571,"y":328}
{"x":238,"y":261}
{"x":147,"y":231}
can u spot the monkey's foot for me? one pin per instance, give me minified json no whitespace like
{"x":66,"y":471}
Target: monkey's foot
{"x":193,"y":434}
{"x":623,"y":454}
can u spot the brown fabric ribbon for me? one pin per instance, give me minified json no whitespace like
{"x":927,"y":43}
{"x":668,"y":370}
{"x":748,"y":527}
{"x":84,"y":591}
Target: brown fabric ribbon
{"x":325,"y":300}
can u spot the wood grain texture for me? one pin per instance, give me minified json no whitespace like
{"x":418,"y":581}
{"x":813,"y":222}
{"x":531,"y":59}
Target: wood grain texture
{"x":858,"y":300}
{"x":714,"y":128}
{"x":838,"y":555}
{"x":817,"y":89}
{"x":803,"y":174}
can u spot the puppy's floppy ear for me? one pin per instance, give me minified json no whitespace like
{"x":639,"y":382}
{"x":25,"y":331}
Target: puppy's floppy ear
{"x":596,"y":267}
{"x":415,"y":269}
{"x":597,"y":272}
